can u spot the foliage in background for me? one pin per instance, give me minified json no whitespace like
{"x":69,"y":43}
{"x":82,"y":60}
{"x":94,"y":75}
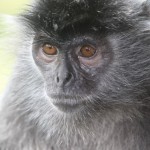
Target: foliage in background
{"x":12,"y":6}
{"x":7,"y":8}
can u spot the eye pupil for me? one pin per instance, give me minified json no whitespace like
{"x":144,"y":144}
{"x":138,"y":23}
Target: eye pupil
{"x":87,"y":51}
{"x":49,"y":49}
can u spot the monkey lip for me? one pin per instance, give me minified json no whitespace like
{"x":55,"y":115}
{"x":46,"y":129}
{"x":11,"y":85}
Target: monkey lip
{"x":67,"y":107}
{"x":67,"y":103}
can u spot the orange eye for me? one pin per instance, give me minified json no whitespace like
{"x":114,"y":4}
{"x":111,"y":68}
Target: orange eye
{"x":87,"y":51}
{"x":49,"y":49}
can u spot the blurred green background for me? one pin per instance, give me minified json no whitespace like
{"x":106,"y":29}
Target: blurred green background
{"x":8,"y":9}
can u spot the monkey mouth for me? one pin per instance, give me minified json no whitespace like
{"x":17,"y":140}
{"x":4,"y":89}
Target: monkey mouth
{"x":67,"y":103}
{"x":68,"y":108}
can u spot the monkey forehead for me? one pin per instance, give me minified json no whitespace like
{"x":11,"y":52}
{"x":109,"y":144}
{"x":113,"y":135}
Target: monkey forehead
{"x":54,"y":15}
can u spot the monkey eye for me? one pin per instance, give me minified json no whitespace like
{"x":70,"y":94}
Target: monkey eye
{"x":49,"y":49}
{"x":87,"y":51}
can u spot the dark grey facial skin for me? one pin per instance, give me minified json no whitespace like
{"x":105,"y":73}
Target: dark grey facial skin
{"x":70,"y":79}
{"x":82,"y":78}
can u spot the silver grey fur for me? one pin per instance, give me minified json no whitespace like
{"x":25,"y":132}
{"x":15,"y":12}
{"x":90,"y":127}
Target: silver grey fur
{"x":29,"y":120}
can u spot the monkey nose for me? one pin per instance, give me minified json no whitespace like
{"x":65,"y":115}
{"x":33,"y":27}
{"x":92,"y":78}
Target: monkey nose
{"x":64,"y":79}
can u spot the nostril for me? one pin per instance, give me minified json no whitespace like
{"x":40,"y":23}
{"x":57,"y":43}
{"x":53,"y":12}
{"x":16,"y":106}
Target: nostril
{"x":57,"y":79}
{"x":68,"y":77}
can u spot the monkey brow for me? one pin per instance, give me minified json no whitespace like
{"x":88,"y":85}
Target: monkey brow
{"x":80,"y":24}
{"x":73,"y":19}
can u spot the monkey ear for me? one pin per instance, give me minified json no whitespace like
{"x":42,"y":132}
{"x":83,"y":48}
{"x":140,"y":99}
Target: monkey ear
{"x":146,"y":8}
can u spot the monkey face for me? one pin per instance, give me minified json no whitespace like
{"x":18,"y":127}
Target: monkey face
{"x":71,"y":68}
